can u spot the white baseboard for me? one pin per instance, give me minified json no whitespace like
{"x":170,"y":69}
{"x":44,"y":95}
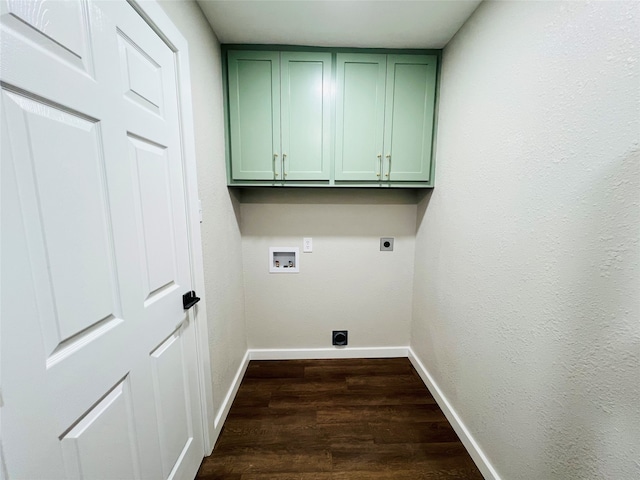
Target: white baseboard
{"x":478,"y":456}
{"x":318,"y":353}
{"x":228,"y":400}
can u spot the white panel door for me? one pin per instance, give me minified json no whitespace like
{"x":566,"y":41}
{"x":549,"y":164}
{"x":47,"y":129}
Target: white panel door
{"x":98,"y":357}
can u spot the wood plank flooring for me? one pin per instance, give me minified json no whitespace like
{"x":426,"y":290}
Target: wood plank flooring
{"x":356,"y":419}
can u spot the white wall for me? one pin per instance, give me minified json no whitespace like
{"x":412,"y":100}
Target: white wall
{"x":526,"y":299}
{"x":221,"y":241}
{"x":346,"y":283}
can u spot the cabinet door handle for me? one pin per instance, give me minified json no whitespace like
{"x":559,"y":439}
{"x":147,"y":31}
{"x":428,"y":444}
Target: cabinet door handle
{"x":388,"y":156}
{"x":284,"y":168}
{"x":275,"y":171}
{"x":379,"y":164}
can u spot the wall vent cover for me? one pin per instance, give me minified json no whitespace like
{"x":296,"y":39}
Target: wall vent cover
{"x":339,"y":337}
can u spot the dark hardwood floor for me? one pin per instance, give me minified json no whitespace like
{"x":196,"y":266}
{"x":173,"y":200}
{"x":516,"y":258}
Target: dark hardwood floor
{"x":336,"y":420}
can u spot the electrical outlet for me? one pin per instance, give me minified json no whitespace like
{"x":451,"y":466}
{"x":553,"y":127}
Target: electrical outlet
{"x":307,"y":245}
{"x":386,"y":244}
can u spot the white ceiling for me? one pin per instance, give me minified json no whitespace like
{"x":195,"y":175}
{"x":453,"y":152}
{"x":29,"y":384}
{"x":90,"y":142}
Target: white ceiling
{"x":339,"y":23}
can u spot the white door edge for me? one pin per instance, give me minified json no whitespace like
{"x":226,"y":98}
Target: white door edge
{"x":159,"y":21}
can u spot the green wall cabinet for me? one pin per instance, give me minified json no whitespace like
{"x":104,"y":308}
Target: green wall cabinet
{"x":384,"y":117}
{"x":279,"y":115}
{"x":330,"y":117}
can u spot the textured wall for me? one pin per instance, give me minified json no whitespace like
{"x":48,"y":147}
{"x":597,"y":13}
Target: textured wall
{"x":220,"y":228}
{"x":526,"y":299}
{"x":346,"y":283}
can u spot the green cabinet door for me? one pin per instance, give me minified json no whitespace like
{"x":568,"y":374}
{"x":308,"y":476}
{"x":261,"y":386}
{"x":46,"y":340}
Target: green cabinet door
{"x":408,"y":130}
{"x":360,"y":98}
{"x":254,"y":115}
{"x":305,"y":110}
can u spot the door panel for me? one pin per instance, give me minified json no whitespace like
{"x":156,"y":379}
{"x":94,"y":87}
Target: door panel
{"x":55,"y":144}
{"x":154,"y":217}
{"x":94,"y":247}
{"x":254,"y":112}
{"x":61,"y":30}
{"x":102,"y":444}
{"x":141,"y":75}
{"x":359,"y":116}
{"x":305,"y":113}
{"x":411,"y":81}
{"x":170,"y":381}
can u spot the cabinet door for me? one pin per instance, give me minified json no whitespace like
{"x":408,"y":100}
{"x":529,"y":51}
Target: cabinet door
{"x":254,"y":115}
{"x":411,"y":81}
{"x":359,"y":115}
{"x":305,"y":109}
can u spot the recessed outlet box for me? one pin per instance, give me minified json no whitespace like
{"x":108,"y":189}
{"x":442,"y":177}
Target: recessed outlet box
{"x":386,"y":244}
{"x":284,"y":259}
{"x":340,"y":338}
